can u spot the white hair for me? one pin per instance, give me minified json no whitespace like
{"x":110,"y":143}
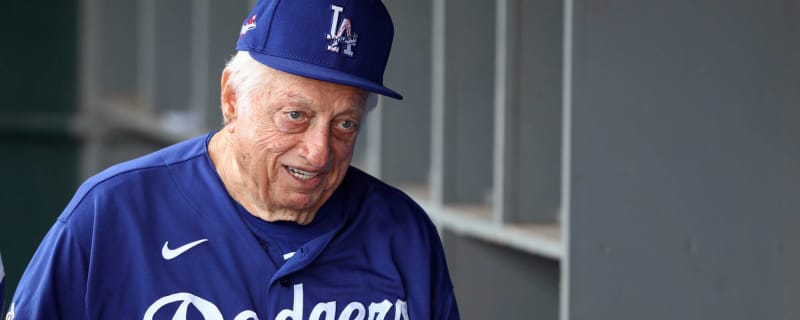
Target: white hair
{"x":248,"y":75}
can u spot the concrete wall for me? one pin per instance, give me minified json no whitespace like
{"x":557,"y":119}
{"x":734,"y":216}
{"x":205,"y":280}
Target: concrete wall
{"x":685,"y":183}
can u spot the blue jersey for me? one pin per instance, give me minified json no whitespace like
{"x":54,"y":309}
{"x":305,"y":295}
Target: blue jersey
{"x":159,"y":238}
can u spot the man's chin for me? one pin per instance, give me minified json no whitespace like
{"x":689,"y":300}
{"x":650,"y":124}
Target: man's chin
{"x":300,"y":203}
{"x":302,"y":214}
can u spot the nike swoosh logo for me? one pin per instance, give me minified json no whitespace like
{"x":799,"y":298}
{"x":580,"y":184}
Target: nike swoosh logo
{"x":170,"y":254}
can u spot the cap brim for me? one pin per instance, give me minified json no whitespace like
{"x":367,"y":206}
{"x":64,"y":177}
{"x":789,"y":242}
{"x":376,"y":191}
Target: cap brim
{"x":322,"y":73}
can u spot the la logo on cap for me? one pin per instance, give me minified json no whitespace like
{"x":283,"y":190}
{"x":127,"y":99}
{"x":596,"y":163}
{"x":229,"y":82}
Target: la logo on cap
{"x":341,"y":36}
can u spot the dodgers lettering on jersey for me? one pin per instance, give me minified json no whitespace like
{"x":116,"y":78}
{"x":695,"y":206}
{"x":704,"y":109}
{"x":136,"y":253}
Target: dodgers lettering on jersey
{"x":321,"y":311}
{"x":159,"y":238}
{"x":353,"y":310}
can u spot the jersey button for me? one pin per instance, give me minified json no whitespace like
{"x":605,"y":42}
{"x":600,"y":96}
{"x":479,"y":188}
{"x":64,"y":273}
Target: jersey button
{"x":285,"y":281}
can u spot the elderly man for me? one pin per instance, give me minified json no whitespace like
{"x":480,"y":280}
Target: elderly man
{"x":264,"y":218}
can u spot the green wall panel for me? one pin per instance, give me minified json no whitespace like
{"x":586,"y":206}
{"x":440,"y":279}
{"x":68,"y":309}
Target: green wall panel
{"x":39,"y":150}
{"x":39,"y":175}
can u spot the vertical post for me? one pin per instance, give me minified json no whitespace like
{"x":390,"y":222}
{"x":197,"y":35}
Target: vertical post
{"x":566,"y":159}
{"x":89,"y":97}
{"x":200,"y":64}
{"x":438,"y":101}
{"x":506,"y":98}
{"x":147,"y":54}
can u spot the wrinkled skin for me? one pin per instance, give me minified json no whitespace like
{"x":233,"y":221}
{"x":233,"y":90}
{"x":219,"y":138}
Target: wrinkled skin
{"x":286,"y":148}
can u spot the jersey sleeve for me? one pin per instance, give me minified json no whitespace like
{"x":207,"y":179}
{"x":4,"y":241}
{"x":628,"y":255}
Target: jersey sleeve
{"x":449,"y":308}
{"x":53,"y":285}
{"x":420,"y":254}
{"x":443,"y":304}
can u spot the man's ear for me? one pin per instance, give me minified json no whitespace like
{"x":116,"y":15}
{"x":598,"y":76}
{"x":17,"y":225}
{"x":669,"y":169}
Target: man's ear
{"x":228,"y":102}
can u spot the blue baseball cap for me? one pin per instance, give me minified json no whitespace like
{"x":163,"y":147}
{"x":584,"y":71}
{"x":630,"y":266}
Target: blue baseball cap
{"x":341,"y":41}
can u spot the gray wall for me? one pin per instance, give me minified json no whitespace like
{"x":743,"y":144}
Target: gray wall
{"x":496,"y":282}
{"x":405,"y":125}
{"x":685,"y":184}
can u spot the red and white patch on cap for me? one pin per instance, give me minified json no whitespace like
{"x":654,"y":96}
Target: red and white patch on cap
{"x":250,"y":25}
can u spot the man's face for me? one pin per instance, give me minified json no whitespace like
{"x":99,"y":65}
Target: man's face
{"x":295,"y":139}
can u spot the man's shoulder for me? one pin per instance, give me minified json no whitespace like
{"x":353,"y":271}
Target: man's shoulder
{"x":377,"y":200}
{"x":133,"y":177}
{"x":170,"y":155}
{"x":370,"y":188}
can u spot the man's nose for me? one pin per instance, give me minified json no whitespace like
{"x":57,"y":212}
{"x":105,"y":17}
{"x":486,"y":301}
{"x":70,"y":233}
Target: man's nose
{"x":317,"y":146}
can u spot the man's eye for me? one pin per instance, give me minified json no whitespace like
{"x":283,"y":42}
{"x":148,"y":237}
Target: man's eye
{"x":347,"y":124}
{"x":294,"y":115}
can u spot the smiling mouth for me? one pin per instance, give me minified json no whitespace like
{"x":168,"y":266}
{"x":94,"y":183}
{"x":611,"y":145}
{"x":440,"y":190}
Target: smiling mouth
{"x":300,"y":174}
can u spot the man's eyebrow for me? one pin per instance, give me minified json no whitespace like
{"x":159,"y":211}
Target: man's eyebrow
{"x":358,"y":105}
{"x":297,"y":98}
{"x":355,"y":106}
